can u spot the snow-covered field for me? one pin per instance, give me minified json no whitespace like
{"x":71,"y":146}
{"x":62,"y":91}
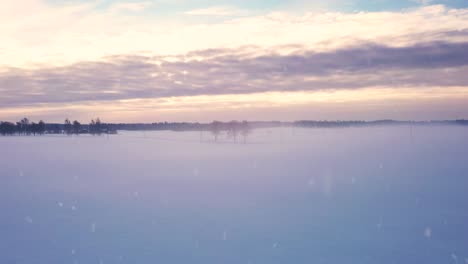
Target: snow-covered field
{"x":290,"y":195}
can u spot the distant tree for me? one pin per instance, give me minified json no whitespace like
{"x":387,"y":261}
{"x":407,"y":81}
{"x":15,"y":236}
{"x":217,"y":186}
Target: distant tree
{"x":34,"y":128}
{"x":41,"y":127}
{"x":245,"y":130}
{"x":67,"y":127}
{"x":98,"y":126}
{"x":92,"y":127}
{"x":233,"y":130}
{"x":95,"y":127}
{"x":7,"y":128}
{"x":200,"y":129}
{"x":215,"y":128}
{"x":76,"y":127}
{"x":18,"y":128}
{"x":23,"y":126}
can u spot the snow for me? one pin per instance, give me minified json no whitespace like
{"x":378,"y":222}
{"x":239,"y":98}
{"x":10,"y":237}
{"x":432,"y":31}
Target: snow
{"x":290,"y":195}
{"x":428,"y":232}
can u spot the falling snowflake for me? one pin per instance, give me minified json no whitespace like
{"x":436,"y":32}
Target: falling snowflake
{"x":428,"y":232}
{"x":28,"y":219}
{"x":311,"y":181}
{"x":380,"y":223}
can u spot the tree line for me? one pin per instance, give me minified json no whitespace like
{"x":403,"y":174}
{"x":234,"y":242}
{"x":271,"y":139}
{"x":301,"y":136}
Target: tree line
{"x":26,"y":127}
{"x":233,"y":130}
{"x":23,"y":127}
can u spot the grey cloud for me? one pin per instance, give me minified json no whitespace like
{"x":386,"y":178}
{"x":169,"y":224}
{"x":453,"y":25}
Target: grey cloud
{"x":224,"y":71}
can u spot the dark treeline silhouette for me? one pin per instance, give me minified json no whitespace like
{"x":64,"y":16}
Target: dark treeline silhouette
{"x":25,"y":127}
{"x":233,"y":130}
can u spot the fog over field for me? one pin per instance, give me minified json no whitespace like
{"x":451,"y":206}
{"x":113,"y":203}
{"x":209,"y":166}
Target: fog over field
{"x":234,"y":132}
{"x":386,"y":194}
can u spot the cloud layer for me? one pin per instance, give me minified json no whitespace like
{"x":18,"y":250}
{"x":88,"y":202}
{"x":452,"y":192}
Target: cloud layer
{"x":84,"y":54}
{"x":60,"y":35}
{"x":240,"y":71}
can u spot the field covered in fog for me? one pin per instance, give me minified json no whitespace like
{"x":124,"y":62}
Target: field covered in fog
{"x":390,"y":194}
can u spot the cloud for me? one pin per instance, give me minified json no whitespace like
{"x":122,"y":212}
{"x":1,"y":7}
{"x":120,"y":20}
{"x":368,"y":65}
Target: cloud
{"x":217,"y":11}
{"x":131,"y":6}
{"x":422,"y":2}
{"x":240,"y":71}
{"x":66,"y":34}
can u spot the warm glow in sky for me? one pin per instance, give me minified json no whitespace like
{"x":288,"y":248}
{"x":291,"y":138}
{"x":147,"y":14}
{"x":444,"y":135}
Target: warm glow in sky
{"x":196,"y":60}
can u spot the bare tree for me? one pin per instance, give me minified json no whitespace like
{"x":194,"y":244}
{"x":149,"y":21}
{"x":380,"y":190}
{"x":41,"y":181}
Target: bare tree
{"x":76,"y":127}
{"x":41,"y":127}
{"x":24,"y":126}
{"x":245,"y":130}
{"x":95,"y":127}
{"x":67,"y":127}
{"x":215,"y":128}
{"x":233,"y":130}
{"x":7,"y":128}
{"x":38,"y":128}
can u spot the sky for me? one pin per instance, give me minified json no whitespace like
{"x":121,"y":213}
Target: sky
{"x":199,"y":60}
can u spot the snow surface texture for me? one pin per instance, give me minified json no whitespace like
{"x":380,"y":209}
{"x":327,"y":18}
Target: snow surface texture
{"x":290,"y":195}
